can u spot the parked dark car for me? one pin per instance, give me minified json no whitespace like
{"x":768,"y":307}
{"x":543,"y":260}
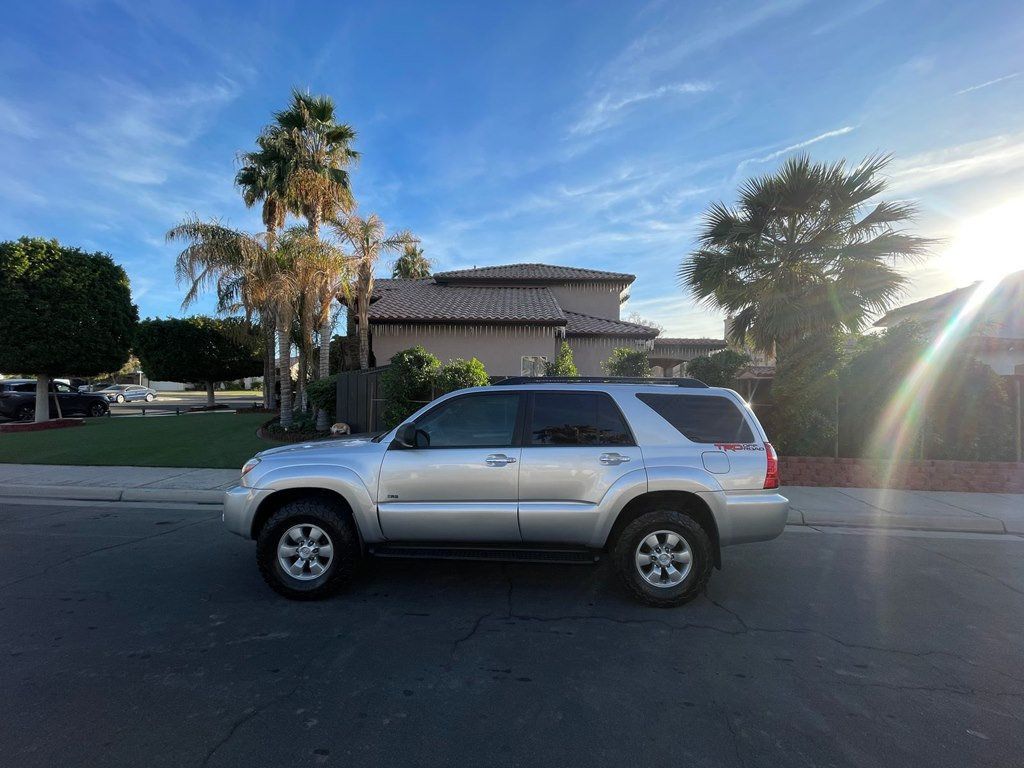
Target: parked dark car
{"x":119,"y":393}
{"x":18,"y":400}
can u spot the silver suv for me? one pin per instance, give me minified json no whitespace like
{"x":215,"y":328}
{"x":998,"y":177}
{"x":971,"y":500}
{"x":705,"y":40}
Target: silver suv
{"x":660,"y":473}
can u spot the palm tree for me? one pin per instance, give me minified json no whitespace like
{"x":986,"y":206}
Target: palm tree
{"x":805,"y":251}
{"x":312,"y":151}
{"x":366,"y":237}
{"x":411,"y":264}
{"x":237,"y":266}
{"x":259,"y":182}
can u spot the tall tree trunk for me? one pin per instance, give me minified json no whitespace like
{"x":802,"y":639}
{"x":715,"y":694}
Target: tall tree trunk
{"x":42,"y":398}
{"x":364,"y":336}
{"x":209,"y":394}
{"x":284,"y":336}
{"x":270,"y":355}
{"x":325,"y":366}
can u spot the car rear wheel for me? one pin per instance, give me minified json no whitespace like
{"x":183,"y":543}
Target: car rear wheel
{"x":25,"y":413}
{"x":307,"y":550}
{"x":97,"y":409}
{"x":119,"y":399}
{"x":150,"y":398}
{"x":664,"y":558}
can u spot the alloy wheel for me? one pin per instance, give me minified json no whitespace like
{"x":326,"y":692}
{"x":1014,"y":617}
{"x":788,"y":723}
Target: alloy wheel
{"x":663,"y":559}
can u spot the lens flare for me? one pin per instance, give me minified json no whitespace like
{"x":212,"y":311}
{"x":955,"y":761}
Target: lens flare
{"x":901,"y":420}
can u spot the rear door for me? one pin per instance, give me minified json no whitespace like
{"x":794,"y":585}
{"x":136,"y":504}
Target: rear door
{"x":576,"y":446}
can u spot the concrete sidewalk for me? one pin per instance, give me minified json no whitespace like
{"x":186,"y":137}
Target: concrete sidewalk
{"x":814,"y":507}
{"x":175,"y":484}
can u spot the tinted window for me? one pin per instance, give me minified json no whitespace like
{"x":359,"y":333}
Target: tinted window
{"x":702,"y":419}
{"x":576,"y":418}
{"x":60,"y":387}
{"x":29,"y":387}
{"x":471,"y":421}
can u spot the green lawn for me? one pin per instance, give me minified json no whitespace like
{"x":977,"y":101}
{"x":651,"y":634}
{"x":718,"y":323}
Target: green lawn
{"x":224,"y":440}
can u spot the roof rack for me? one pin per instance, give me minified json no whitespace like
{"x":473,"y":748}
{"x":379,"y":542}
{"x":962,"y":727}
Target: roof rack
{"x":678,"y":382}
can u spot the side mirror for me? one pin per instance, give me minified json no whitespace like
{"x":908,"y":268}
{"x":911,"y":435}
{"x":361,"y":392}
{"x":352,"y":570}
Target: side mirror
{"x":406,"y":435}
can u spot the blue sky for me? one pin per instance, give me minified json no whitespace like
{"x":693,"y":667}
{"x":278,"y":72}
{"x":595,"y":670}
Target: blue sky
{"x":580,"y":133}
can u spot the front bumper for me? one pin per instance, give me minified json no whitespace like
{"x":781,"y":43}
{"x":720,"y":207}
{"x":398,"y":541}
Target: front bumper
{"x":240,"y":505}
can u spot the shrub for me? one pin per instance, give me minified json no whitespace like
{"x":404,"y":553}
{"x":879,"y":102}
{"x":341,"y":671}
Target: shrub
{"x":323,"y":394}
{"x":627,"y":361}
{"x":563,"y":364}
{"x":719,"y":369}
{"x":407,"y":383}
{"x":459,"y":374}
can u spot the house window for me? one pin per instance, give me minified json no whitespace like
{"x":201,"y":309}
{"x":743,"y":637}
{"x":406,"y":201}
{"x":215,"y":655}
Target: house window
{"x":534,"y":365}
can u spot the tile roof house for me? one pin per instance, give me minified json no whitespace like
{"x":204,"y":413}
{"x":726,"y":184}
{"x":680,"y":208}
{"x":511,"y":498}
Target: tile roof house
{"x":993,"y":331}
{"x":512,"y":317}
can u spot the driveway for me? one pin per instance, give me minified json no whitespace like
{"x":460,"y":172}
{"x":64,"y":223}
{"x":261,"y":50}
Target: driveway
{"x":142,"y":635}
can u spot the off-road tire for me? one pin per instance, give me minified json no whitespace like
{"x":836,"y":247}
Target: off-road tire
{"x":700,"y":547}
{"x":338,"y":527}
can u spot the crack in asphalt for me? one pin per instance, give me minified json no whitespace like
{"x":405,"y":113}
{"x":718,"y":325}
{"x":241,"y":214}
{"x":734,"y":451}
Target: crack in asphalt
{"x":118,"y":545}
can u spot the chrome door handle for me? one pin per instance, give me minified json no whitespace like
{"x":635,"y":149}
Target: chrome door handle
{"x":613,"y":458}
{"x":498,"y":460}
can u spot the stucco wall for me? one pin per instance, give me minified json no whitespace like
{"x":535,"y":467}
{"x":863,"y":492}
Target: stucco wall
{"x":500,"y":349}
{"x":588,"y":353}
{"x":595,"y":299}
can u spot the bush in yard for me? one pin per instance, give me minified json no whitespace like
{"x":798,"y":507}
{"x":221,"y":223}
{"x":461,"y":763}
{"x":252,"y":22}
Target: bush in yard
{"x":627,"y":361}
{"x":407,"y":383}
{"x":459,"y":374}
{"x":199,"y":348}
{"x":719,"y":369}
{"x":323,"y":395}
{"x":563,"y":364}
{"x":62,"y":311}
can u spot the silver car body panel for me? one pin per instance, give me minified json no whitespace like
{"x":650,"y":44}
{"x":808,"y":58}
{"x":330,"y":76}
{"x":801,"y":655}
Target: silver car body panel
{"x":548,"y":495}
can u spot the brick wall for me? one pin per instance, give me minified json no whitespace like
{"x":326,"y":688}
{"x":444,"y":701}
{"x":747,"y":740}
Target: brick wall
{"x":985,"y":477}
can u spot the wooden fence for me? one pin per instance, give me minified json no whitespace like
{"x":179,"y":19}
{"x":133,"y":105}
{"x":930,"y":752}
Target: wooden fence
{"x":358,"y":400}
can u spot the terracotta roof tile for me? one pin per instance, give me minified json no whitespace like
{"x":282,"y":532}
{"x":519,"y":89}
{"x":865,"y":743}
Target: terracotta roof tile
{"x":533,"y":273}
{"x":587,"y":325}
{"x":423,"y":301}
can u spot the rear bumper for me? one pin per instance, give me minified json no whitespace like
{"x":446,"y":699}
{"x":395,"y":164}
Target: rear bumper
{"x":745,"y":517}
{"x":240,"y":505}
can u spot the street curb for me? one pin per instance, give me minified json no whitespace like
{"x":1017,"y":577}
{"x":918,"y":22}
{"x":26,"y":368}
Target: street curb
{"x":88,"y":493}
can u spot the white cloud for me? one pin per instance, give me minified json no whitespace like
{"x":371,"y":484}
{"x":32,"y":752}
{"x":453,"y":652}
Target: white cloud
{"x":799,"y":145}
{"x":605,"y":110}
{"x":992,"y":156}
{"x":987,"y":83}
{"x":15,"y":121}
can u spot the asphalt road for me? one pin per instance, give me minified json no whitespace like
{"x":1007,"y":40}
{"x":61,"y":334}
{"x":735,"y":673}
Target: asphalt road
{"x":132,"y":636}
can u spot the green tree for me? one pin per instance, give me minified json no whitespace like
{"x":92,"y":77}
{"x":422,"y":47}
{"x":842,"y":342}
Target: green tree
{"x":627,"y":361}
{"x":411,"y":264}
{"x":408,"y":383}
{"x":719,"y":369}
{"x":198,"y":349}
{"x":368,"y":241}
{"x":460,"y":374}
{"x":807,"y":250}
{"x":62,"y":311}
{"x":563,"y":364}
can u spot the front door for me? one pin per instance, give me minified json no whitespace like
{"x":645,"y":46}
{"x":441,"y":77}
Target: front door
{"x":576,"y":446}
{"x":460,"y":482}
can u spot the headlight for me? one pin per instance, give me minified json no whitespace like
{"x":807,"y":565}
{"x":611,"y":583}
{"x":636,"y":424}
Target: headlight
{"x":249,"y":466}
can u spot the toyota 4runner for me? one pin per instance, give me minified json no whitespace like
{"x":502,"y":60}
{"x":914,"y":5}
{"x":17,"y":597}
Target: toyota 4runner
{"x":661,"y":474}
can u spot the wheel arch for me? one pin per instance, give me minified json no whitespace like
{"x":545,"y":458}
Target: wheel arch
{"x":278,"y":499}
{"x":687,"y":502}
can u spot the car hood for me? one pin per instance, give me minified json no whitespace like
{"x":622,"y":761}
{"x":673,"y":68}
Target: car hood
{"x":320,"y":449}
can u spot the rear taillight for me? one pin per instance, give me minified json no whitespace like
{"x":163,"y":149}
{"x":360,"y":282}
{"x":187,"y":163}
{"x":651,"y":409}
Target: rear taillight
{"x":771,"y":476}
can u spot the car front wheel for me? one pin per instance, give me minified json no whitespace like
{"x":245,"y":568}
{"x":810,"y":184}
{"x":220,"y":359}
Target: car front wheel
{"x":664,"y":558}
{"x":150,"y":398}
{"x":25,"y":413}
{"x":119,"y":399}
{"x":97,"y":409}
{"x":307,"y":550}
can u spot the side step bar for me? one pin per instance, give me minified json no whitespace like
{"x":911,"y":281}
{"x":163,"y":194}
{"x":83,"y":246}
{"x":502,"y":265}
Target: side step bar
{"x":494,"y":554}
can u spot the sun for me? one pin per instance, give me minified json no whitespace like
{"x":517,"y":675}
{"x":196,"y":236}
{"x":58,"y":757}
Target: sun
{"x":987,"y":246}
